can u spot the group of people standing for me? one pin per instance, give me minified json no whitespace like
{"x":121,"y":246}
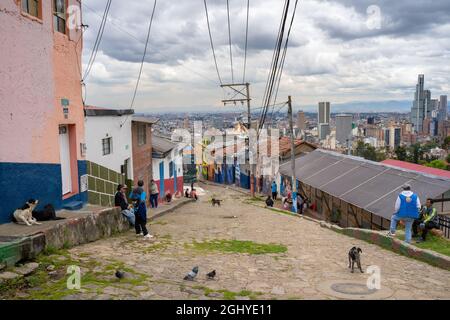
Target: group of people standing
{"x":409,"y":210}
{"x":136,"y":212}
{"x":287,"y":199}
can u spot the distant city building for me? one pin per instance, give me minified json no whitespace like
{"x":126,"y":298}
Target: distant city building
{"x":324,"y":112}
{"x":418,"y":111}
{"x":395,"y":137}
{"x":426,"y":126}
{"x":344,"y":128}
{"x":434,"y":127}
{"x":323,"y":119}
{"x":324,"y":130}
{"x":301,"y":121}
{"x":371,"y":120}
{"x":443,"y":108}
{"x":387,"y":137}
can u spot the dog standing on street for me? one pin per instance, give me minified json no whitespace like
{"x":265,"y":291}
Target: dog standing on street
{"x":215,"y":201}
{"x":354,"y":256}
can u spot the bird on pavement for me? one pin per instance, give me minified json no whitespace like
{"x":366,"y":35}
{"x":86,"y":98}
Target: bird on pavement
{"x":192,"y":274}
{"x":120,"y":274}
{"x":211,"y":275}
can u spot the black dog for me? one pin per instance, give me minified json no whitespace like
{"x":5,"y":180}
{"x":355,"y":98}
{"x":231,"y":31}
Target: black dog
{"x":354,"y":256}
{"x":215,"y":201}
{"x":47,"y":214}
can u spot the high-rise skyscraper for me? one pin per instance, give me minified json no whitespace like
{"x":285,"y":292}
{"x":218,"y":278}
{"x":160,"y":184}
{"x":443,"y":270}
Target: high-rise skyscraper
{"x":323,"y":112}
{"x":395,"y":137}
{"x":443,"y":108}
{"x":344,"y":128}
{"x":418,"y":111}
{"x":301,"y":122}
{"x":323,"y":119}
{"x":324,"y":130}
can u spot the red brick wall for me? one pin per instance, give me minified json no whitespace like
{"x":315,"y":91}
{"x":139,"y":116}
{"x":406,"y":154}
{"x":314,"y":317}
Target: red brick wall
{"x":142,"y":157}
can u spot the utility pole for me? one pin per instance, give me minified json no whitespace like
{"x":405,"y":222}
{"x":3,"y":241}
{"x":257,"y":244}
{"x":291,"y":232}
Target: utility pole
{"x":241,"y":96}
{"x":294,"y":179}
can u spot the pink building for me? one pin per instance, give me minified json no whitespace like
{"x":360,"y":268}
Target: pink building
{"x":41,"y":119}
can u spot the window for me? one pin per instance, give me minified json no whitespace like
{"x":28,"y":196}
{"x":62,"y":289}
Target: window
{"x":59,"y":15}
{"x":107,"y":146}
{"x":171,"y":167}
{"x":142,"y":134}
{"x":32,"y":7}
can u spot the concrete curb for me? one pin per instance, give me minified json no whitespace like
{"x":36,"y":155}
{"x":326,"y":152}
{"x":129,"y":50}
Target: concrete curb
{"x":378,"y":238}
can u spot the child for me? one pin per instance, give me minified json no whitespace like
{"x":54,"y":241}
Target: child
{"x":140,"y":212}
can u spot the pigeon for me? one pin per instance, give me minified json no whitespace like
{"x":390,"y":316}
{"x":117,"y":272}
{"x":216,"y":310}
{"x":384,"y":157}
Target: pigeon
{"x":192,"y":274}
{"x":211,"y":275}
{"x":120,"y":274}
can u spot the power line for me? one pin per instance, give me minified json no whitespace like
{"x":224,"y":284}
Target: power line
{"x":283,"y":58}
{"x":212,"y":43}
{"x":274,"y":67}
{"x":279,"y":67}
{"x":272,"y":63}
{"x":229,"y":41}
{"x":97,"y":40}
{"x":143,"y":56}
{"x":246,"y":40}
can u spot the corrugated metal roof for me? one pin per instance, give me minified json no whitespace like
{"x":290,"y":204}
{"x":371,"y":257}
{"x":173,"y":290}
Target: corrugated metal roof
{"x":369,"y":185}
{"x":162,"y":145}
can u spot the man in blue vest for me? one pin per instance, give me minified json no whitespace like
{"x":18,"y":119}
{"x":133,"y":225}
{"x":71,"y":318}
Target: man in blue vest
{"x":407,"y":208}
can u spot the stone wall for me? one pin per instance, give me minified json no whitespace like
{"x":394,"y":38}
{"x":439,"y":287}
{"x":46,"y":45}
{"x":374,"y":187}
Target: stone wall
{"x":71,"y":232}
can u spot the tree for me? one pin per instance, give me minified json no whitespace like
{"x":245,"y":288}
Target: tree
{"x":448,"y":158}
{"x":401,"y":153}
{"x":366,"y":151}
{"x":446,"y":143}
{"x":416,"y":153}
{"x":438,"y":164}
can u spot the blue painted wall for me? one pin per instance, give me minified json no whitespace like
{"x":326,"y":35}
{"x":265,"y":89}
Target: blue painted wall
{"x":22,"y":181}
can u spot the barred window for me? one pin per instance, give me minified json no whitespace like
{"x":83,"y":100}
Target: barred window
{"x":142,"y":134}
{"x":107,"y":146}
{"x":59,"y":15}
{"x":32,"y":7}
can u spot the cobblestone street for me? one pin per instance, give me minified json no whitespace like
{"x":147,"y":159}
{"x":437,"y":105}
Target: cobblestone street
{"x":314,"y":266}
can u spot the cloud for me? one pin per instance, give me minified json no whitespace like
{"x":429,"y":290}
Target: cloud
{"x":335,"y":53}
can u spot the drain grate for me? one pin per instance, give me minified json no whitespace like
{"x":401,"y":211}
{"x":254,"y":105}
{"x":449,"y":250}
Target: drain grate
{"x":353,"y":290}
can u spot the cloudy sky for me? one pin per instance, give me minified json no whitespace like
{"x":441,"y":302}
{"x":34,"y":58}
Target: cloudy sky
{"x":339,"y":51}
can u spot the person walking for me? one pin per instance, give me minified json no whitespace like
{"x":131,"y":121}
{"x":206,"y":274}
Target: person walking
{"x":140,"y":213}
{"x":154,"y":194}
{"x":274,"y":190}
{"x":407,"y":207}
{"x":427,"y":221}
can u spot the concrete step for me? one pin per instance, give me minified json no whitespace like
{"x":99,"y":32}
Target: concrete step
{"x":74,"y":205}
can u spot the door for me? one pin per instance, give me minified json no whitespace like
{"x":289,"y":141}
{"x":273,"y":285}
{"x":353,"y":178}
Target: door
{"x":174,"y":178}
{"x":161,"y":179}
{"x":64,"y":150}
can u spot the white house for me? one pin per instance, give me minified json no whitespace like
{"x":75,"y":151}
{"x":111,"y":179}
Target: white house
{"x":109,"y":138}
{"x":167,"y":165}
